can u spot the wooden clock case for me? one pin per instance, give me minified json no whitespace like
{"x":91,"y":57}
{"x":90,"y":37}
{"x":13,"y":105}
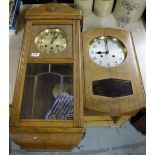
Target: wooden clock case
{"x":35,"y":133}
{"x":112,"y":110}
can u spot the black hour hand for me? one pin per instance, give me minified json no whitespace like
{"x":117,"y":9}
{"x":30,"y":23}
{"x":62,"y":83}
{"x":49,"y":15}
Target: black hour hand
{"x":99,"y":52}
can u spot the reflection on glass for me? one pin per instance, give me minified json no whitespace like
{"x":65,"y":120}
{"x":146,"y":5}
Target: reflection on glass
{"x":48,"y":92}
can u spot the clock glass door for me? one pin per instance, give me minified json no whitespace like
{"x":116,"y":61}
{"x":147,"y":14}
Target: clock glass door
{"x":48,"y":92}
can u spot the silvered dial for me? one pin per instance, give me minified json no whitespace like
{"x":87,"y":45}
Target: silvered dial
{"x":51,"y":41}
{"x":107,"y":51}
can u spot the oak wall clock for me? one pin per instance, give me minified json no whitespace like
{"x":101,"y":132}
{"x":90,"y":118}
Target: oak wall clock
{"x":48,"y":100}
{"x":113,"y":85}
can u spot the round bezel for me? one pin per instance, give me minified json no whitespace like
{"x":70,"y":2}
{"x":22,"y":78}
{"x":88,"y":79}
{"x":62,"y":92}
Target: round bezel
{"x":110,"y":57}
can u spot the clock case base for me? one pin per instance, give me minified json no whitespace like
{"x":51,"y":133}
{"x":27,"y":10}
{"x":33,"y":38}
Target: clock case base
{"x":47,"y":139}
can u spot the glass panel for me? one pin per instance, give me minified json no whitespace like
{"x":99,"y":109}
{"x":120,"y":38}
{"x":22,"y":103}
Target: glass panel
{"x":48,"y":92}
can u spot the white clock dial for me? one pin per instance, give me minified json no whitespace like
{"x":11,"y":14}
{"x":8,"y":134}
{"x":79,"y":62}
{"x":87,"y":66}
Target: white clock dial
{"x":107,"y":51}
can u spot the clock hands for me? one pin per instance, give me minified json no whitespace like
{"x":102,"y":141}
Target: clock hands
{"x":99,"y":52}
{"x":106,"y":46}
{"x":54,"y":37}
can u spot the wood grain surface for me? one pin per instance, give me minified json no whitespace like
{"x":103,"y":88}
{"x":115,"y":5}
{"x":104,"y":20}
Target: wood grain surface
{"x":128,"y":70}
{"x":38,"y":134}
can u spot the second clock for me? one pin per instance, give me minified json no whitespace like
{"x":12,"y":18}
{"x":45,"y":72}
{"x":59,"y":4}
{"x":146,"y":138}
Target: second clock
{"x":107,"y":51}
{"x":113,"y":82}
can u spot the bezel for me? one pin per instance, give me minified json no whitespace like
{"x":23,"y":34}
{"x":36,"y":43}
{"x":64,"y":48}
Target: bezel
{"x":48,"y":30}
{"x":116,"y":40}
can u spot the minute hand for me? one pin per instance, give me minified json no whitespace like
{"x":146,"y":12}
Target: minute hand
{"x":54,"y":38}
{"x":106,"y":45}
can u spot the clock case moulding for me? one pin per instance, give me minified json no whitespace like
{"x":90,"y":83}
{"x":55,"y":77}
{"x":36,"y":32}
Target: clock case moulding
{"x":39,"y":134}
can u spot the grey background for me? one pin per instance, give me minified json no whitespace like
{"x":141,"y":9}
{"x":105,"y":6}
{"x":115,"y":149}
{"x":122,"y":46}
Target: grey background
{"x":125,"y":140}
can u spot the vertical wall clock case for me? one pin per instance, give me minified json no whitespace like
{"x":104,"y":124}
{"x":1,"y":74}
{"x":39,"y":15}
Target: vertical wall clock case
{"x":47,"y":106}
{"x":113,"y":85}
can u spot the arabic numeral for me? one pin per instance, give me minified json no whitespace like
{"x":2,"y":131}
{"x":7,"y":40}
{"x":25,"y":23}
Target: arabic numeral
{"x":94,"y":58}
{"x":116,"y":63}
{"x":108,"y":64}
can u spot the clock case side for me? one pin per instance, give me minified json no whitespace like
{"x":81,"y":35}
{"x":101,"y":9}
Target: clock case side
{"x":51,"y":128}
{"x":128,"y":70}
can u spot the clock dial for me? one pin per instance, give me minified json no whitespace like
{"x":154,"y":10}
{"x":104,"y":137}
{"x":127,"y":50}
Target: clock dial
{"x":107,"y":51}
{"x":51,"y":41}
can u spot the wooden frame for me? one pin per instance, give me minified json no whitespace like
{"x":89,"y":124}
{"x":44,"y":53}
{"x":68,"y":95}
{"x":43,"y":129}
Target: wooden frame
{"x":28,"y":128}
{"x":56,"y":135}
{"x":128,"y":70}
{"x":95,"y":118}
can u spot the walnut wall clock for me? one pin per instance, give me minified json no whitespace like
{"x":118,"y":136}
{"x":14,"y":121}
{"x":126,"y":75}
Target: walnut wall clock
{"x":113,"y":85}
{"x":47,"y":109}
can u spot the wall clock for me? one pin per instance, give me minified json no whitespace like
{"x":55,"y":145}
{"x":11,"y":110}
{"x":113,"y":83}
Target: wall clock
{"x":48,"y":100}
{"x":113,"y":85}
